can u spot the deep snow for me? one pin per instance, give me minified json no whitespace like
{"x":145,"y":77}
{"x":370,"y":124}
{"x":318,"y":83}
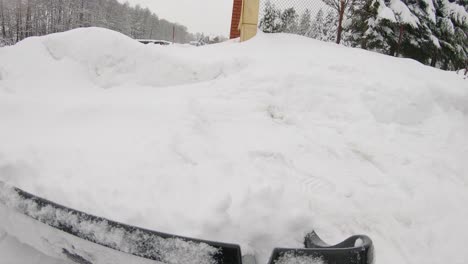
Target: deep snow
{"x":14,"y":252}
{"x":255,"y":143}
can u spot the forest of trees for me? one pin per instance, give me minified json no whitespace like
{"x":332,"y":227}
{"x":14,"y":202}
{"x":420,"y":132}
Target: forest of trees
{"x":20,"y":19}
{"x":434,"y":32}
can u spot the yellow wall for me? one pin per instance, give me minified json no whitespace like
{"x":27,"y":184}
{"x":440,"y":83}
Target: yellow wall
{"x":249,"y":19}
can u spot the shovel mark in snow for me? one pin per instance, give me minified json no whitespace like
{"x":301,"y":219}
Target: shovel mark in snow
{"x":184,"y":157}
{"x":343,"y":69}
{"x":53,"y":53}
{"x":275,"y":113}
{"x":308,"y":182}
{"x":269,"y":156}
{"x":368,"y":158}
{"x":314,"y":184}
{"x":3,"y":235}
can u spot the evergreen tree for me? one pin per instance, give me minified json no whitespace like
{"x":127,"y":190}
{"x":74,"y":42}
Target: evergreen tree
{"x":317,"y":29}
{"x":305,"y":22}
{"x":367,"y":29}
{"x":451,"y":31}
{"x":406,"y":26}
{"x":289,"y":22}
{"x":270,"y":22}
{"x":433,"y":32}
{"x":330,"y":27}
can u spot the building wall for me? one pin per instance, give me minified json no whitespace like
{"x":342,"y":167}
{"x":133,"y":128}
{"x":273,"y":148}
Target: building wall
{"x":236,"y":15}
{"x":249,"y":19}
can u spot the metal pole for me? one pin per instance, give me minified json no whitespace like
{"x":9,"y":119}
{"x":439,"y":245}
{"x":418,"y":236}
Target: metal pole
{"x":173,"y":34}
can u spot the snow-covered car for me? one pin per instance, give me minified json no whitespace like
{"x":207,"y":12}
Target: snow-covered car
{"x":154,"y":41}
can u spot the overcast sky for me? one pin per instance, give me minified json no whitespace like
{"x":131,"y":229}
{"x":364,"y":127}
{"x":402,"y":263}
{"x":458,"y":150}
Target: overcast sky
{"x":207,"y":16}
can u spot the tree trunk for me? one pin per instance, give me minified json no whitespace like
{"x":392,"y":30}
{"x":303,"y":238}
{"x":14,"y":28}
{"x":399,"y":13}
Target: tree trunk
{"x":2,"y":13}
{"x":60,"y":26}
{"x":28,"y":30}
{"x":434,"y":59}
{"x":52,"y":18}
{"x":151,"y":33}
{"x":400,"y":39}
{"x":82,"y":14}
{"x":18,"y":21}
{"x":173,"y":34}
{"x":340,"y":21}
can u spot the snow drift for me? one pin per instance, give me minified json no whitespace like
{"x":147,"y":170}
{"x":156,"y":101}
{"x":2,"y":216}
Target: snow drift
{"x":255,"y":143}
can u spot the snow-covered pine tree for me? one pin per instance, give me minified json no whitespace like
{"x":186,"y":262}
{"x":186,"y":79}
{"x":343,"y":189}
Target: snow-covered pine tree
{"x":270,"y":21}
{"x":137,"y":22}
{"x":440,"y":38}
{"x":305,"y":22}
{"x":389,"y":27}
{"x":370,"y":24}
{"x":316,"y":30}
{"x":330,"y":27}
{"x":289,"y":23}
{"x":451,"y":31}
{"x":422,"y":42}
{"x":434,"y":32}
{"x":407,"y":27}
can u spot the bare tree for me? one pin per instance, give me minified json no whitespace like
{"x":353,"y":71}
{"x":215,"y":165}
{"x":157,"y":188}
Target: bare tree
{"x":20,"y":19}
{"x":340,"y":6}
{"x":19,"y":23}
{"x":28,"y":29}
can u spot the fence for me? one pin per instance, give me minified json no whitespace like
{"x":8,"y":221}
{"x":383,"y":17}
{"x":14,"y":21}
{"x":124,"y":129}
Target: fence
{"x":310,"y":18}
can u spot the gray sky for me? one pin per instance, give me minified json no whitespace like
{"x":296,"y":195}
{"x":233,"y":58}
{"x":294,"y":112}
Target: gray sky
{"x":207,"y":16}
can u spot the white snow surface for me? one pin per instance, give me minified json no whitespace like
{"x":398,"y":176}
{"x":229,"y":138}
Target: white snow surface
{"x":255,"y":143}
{"x":290,"y":258}
{"x":14,"y":252}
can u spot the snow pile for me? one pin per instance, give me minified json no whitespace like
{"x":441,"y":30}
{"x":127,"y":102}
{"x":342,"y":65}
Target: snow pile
{"x":256,"y":143}
{"x":110,"y":60}
{"x":291,"y":258}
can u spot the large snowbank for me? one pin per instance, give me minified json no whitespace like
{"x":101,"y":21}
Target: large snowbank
{"x":255,"y":143}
